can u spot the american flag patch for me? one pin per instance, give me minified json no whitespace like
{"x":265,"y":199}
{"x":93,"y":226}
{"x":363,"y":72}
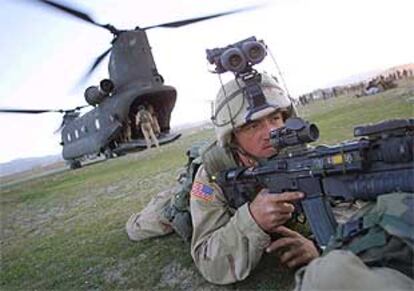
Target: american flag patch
{"x":202,"y":191}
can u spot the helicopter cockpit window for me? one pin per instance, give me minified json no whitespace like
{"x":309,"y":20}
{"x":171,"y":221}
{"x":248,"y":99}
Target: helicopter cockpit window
{"x":69,"y":137}
{"x":76,"y":134}
{"x":97,"y":124}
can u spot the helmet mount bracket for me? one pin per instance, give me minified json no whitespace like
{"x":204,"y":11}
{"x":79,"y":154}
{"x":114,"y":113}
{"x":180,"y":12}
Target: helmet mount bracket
{"x":253,"y":93}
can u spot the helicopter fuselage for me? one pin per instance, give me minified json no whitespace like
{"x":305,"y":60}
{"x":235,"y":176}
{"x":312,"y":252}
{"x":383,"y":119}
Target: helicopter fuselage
{"x":136,"y":81}
{"x":94,"y":132}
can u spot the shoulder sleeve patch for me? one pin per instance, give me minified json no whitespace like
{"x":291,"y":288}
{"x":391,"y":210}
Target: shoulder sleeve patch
{"x":202,"y":191}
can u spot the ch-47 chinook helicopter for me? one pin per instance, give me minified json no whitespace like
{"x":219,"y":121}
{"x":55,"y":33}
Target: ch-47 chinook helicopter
{"x":133,"y":81}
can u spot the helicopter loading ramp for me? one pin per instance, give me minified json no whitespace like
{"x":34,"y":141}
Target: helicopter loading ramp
{"x":140,"y":144}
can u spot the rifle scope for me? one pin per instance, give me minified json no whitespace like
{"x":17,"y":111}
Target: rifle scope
{"x":295,"y":132}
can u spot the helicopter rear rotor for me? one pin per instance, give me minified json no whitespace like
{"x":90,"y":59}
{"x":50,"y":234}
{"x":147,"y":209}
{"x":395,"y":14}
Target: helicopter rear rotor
{"x":116,"y":32}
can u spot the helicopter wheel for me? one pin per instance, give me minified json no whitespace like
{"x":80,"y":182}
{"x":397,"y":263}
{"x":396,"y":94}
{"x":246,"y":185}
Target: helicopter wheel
{"x":74,"y":164}
{"x":109,"y":154}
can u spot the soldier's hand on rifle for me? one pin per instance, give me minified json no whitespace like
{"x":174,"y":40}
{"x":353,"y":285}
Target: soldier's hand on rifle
{"x":271,"y":211}
{"x":294,"y":249}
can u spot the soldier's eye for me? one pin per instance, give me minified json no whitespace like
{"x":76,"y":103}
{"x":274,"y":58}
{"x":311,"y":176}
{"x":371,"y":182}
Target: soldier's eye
{"x":253,"y":125}
{"x":249,"y":127}
{"x":275,"y":117}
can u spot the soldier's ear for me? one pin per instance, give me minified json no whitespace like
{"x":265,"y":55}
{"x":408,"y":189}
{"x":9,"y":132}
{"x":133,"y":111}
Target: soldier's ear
{"x":233,"y":140}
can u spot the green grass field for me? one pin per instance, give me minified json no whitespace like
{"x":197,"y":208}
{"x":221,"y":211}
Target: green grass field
{"x":66,"y":231}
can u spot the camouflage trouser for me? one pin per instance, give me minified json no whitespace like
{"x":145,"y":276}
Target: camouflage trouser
{"x":342,"y":270}
{"x":149,"y":135}
{"x":155,"y":125}
{"x":150,"y":221}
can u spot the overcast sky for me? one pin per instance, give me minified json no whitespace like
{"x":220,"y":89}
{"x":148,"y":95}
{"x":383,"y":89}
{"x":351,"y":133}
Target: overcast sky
{"x":44,"y":52}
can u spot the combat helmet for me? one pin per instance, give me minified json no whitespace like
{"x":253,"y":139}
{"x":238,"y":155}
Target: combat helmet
{"x":233,"y":108}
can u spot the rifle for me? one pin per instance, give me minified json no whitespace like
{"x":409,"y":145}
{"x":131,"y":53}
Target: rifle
{"x":379,"y":162}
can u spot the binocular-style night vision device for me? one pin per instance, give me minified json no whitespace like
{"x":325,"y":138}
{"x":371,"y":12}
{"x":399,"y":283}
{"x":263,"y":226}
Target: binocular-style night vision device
{"x":238,"y":57}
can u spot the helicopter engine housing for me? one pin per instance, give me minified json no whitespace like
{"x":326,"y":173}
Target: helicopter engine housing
{"x":94,"y":96}
{"x":107,"y":86}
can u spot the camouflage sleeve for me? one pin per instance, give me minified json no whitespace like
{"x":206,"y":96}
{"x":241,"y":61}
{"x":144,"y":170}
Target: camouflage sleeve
{"x":137,"y":118}
{"x":226,"y":244}
{"x":151,"y":119}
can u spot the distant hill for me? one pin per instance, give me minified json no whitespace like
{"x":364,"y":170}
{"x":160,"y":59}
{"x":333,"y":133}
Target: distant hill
{"x":26,"y":164}
{"x":366,"y":76}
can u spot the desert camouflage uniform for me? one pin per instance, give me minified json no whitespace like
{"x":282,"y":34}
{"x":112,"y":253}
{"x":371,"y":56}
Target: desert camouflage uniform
{"x":150,"y":222}
{"x":168,"y":211}
{"x":227,"y":243}
{"x":154,"y":122}
{"x":145,"y":120}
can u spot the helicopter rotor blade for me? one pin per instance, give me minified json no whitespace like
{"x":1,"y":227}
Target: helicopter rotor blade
{"x":78,"y":14}
{"x":27,"y":111}
{"x":38,"y":111}
{"x":84,"y":78}
{"x":79,"y":107}
{"x":176,"y":24}
{"x":59,"y":129}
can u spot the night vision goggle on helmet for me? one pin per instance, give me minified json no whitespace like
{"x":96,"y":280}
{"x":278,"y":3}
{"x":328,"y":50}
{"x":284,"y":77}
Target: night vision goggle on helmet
{"x":251,"y":95}
{"x":232,"y":109}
